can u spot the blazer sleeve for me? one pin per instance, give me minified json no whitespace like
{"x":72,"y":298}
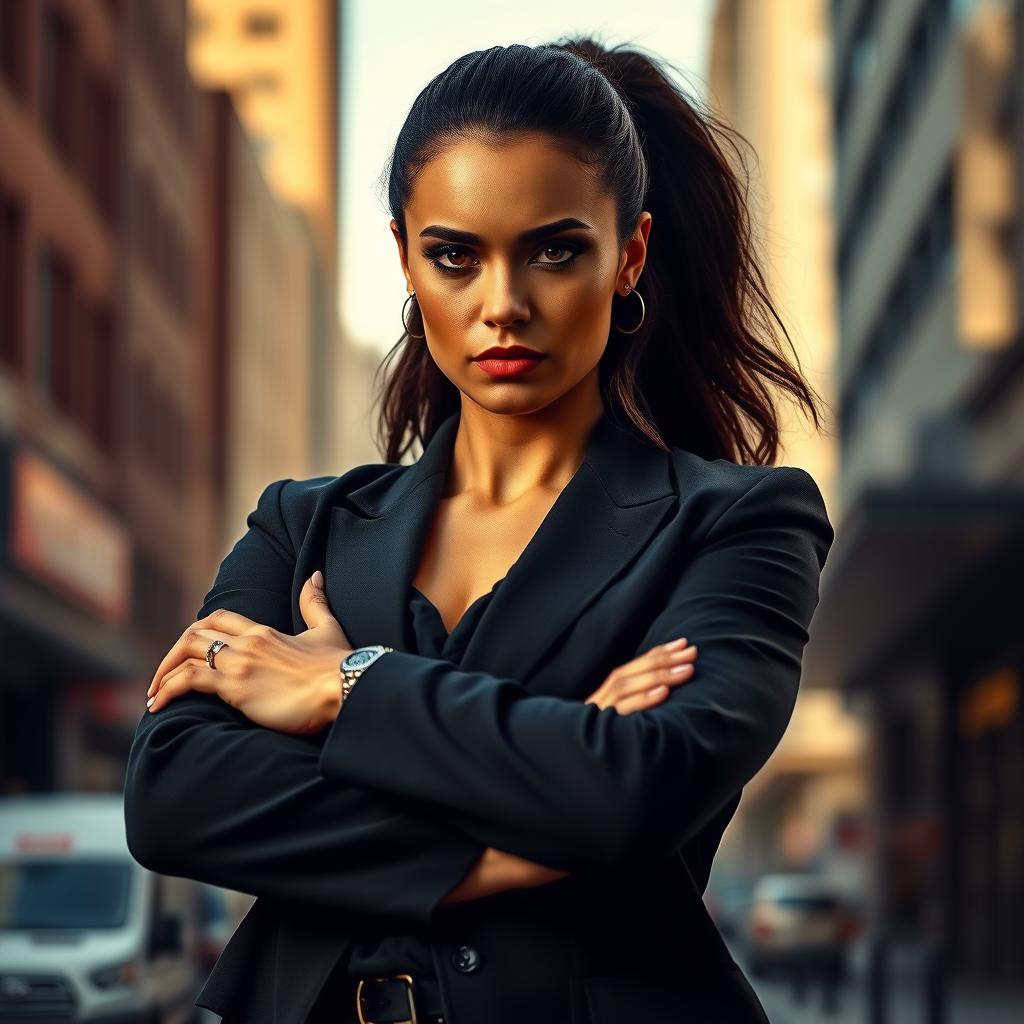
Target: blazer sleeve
{"x":211,"y":795}
{"x":575,"y":786}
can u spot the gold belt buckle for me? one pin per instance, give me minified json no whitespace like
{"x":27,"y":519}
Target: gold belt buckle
{"x":408,"y":992}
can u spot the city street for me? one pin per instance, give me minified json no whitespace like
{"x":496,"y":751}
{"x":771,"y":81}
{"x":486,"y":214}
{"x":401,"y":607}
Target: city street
{"x":905,"y":1004}
{"x":633,"y":394}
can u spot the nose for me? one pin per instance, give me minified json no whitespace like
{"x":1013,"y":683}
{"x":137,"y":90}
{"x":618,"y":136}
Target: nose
{"x":504,"y":303}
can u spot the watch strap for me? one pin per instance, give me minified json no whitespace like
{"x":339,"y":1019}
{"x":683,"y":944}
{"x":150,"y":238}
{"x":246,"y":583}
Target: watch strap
{"x":350,"y":676}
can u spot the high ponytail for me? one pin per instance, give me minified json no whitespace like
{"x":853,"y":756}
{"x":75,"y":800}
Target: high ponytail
{"x":700,"y":371}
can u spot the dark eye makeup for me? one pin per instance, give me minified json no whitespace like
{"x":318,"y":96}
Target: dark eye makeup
{"x":574,"y":248}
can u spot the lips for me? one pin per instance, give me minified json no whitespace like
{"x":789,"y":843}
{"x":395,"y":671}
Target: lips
{"x":510,"y":352}
{"x":509,"y":367}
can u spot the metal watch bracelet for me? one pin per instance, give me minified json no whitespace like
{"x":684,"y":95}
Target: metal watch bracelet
{"x":355,"y":663}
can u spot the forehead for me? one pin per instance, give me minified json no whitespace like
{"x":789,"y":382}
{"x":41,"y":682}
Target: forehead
{"x":497,"y":190}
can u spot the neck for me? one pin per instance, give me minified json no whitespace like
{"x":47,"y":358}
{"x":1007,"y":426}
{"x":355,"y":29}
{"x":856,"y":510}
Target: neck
{"x":499,"y":457}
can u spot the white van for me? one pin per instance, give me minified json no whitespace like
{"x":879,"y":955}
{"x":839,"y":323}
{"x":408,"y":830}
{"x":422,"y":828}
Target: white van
{"x":88,"y":935}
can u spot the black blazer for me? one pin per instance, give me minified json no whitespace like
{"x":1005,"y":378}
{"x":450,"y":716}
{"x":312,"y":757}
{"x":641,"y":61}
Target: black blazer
{"x":373,"y":820}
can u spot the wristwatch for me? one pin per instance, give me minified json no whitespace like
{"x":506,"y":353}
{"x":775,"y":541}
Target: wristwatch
{"x":355,"y":663}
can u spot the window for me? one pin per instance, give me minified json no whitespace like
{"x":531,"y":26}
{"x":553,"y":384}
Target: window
{"x":12,"y":280}
{"x":921,"y":53}
{"x":263,"y":81}
{"x":158,"y":236}
{"x":91,"y":893}
{"x":261,"y":23}
{"x":99,"y":155}
{"x":96,"y":379}
{"x":930,"y":255}
{"x":12,"y":65}
{"x":163,"y":51}
{"x":54,"y":327}
{"x":58,"y":72}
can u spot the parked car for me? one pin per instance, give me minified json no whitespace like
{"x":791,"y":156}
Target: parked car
{"x":727,"y":903}
{"x":88,"y":935}
{"x":797,"y":923}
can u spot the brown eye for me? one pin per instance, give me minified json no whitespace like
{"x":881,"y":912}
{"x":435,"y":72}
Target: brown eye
{"x":456,"y":253}
{"x":449,"y":251}
{"x":572,"y":248}
{"x":556,"y":249}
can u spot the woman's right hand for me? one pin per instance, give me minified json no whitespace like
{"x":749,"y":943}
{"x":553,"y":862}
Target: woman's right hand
{"x":644,"y":681}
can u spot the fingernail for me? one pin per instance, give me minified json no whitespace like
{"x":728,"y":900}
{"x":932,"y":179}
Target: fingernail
{"x":675,"y":643}
{"x":149,"y":703}
{"x":677,"y":669}
{"x":318,"y":580}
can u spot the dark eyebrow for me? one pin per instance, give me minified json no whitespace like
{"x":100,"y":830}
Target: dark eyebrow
{"x":532,"y":235}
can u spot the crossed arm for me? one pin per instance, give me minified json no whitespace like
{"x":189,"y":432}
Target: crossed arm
{"x":575,"y":786}
{"x":428,"y":766}
{"x":210,"y":795}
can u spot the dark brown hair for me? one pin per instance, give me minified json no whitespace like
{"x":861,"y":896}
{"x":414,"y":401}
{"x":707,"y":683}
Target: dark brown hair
{"x":699,"y":372}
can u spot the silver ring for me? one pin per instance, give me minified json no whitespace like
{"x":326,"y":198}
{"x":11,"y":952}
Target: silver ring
{"x":211,"y":651}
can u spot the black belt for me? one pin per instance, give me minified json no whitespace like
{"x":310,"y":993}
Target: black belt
{"x":392,"y":1000}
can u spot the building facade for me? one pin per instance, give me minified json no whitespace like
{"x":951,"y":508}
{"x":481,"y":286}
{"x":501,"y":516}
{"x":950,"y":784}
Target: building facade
{"x":769,"y":78}
{"x":279,"y":63}
{"x":97,"y":365}
{"x":919,"y":617}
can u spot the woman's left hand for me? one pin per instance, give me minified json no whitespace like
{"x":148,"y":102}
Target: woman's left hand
{"x":288,"y":683}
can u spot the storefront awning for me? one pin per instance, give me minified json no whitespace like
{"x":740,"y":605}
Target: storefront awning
{"x":909,"y":560}
{"x":45,"y":633}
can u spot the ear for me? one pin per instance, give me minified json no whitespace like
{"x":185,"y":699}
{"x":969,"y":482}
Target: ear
{"x":634,"y":255}
{"x":402,"y":255}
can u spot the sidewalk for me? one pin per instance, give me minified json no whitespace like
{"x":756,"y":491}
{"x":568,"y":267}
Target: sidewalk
{"x":905,"y":1007}
{"x":905,"y":1004}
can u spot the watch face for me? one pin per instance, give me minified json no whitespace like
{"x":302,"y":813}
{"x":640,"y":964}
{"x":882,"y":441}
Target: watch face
{"x":360,"y":657}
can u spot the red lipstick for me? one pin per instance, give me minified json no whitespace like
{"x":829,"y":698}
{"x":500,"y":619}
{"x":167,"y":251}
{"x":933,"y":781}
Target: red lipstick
{"x":508,"y":361}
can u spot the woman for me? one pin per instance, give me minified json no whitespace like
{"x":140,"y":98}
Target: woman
{"x":577,"y":618}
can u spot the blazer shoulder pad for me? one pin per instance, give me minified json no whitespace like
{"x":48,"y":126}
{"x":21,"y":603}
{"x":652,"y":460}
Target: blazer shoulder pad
{"x":722,"y":483}
{"x":713,"y":484}
{"x":294,"y":502}
{"x":300,"y":495}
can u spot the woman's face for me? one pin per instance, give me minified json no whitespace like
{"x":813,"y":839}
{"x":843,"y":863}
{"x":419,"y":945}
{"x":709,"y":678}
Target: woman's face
{"x":489,"y":269}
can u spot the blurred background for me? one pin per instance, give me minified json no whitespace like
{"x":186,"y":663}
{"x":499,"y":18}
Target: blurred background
{"x":197,"y":283}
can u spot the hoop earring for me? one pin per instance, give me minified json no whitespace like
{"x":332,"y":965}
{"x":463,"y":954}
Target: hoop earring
{"x":643,"y":313}
{"x":412,"y":295}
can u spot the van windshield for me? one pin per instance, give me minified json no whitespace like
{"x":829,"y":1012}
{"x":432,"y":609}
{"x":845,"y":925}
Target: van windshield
{"x":49,"y":893}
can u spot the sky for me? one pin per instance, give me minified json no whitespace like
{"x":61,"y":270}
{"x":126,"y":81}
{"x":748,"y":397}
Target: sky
{"x":391,"y":49}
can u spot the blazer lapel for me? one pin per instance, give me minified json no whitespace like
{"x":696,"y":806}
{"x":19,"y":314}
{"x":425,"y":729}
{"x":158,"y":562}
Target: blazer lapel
{"x":373,"y":546}
{"x":600,"y":522}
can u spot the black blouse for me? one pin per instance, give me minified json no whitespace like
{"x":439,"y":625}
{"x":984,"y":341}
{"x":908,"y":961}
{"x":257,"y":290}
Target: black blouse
{"x":380,"y":954}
